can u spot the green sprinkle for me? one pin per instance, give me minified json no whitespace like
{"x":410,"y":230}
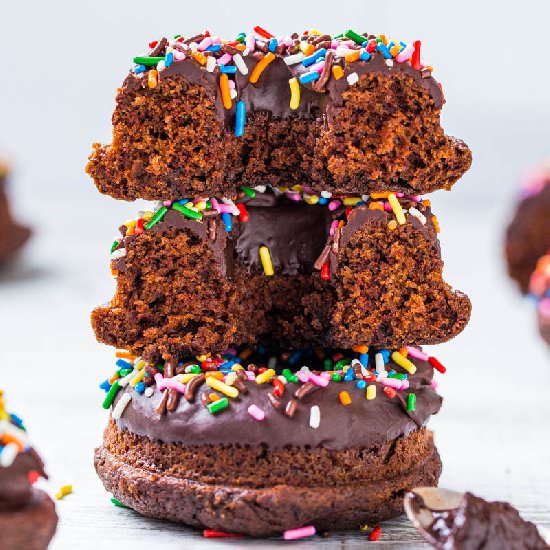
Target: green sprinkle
{"x":218,"y":405}
{"x":195,"y":369}
{"x":338,"y":36}
{"x":159,"y":214}
{"x":400,"y":376}
{"x":114,"y":245}
{"x":240,"y":39}
{"x":342,"y":363}
{"x":109,"y":398}
{"x":287,"y":373}
{"x":328,"y":364}
{"x":248,"y":191}
{"x":160,"y":367}
{"x":357,"y":38}
{"x":118,"y":503}
{"x":209,"y":205}
{"x":176,"y":36}
{"x":147,"y":61}
{"x":336,"y":377}
{"x":187,"y":212}
{"x":124,"y":372}
{"x":411,"y":402}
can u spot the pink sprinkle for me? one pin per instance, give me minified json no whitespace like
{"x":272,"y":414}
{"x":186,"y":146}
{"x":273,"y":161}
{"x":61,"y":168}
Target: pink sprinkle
{"x":231,"y":84}
{"x":216,"y":40}
{"x":204,"y":43}
{"x":287,"y":42}
{"x":250,"y":43}
{"x":159,"y":381}
{"x":168,"y":204}
{"x":255,"y":412}
{"x":326,"y":375}
{"x":415,"y":352}
{"x":318,"y":67}
{"x":333,"y":226}
{"x":544,"y":307}
{"x":400,"y":195}
{"x":405,"y":54}
{"x":293,"y":534}
{"x":250,"y":375}
{"x":333,"y":205}
{"x":224,"y":59}
{"x":394,"y":383}
{"x":215,"y":206}
{"x":434,"y":384}
{"x":224,"y":208}
{"x":387,"y":206}
{"x":175,"y":385}
{"x":318,"y":380}
{"x":179,"y":56}
{"x":293,"y":196}
{"x":416,"y":198}
{"x":303,"y":376}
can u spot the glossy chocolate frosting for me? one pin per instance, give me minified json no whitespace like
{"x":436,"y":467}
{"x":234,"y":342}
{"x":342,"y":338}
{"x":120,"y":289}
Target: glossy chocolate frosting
{"x":362,"y":423}
{"x":294,"y":232}
{"x":480,"y":525}
{"x":272,"y":93}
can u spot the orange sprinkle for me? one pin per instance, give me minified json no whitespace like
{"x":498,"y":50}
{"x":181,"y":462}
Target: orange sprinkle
{"x":224,"y":88}
{"x":384,"y":39}
{"x":214,"y":373}
{"x":362,"y":348}
{"x":337,"y":72}
{"x":392,"y":224}
{"x":345,"y":399}
{"x":380,"y":195}
{"x":260,"y":67}
{"x":213,"y":397}
{"x":113,"y":378}
{"x":351,"y":57}
{"x":309,"y":49}
{"x":8,"y":438}
{"x":435,"y":221}
{"x":152,"y":78}
{"x":114,"y":272}
{"x":394,"y":50}
{"x":376,"y":206}
{"x":200,"y":57}
{"x":426,"y":202}
{"x":125,"y":355}
{"x":404,"y":352}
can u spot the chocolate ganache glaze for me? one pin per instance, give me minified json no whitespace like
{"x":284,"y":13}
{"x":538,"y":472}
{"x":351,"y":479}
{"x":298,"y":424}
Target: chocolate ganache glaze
{"x":272,"y":93}
{"x":480,"y":525}
{"x":296,"y":233}
{"x":362,"y":423}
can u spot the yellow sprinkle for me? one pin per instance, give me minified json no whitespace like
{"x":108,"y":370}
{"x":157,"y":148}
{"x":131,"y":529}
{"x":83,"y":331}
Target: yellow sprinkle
{"x":260,"y":66}
{"x":152,"y":78}
{"x":351,"y":201}
{"x":237,"y":367}
{"x":345,"y":398}
{"x":435,"y":221}
{"x":3,"y":413}
{"x":403,"y":362}
{"x":230,"y":378}
{"x":202,"y":358}
{"x":147,"y":216}
{"x":314,"y":32}
{"x":294,"y":93}
{"x":396,"y":207}
{"x":137,"y":378}
{"x":311,"y":199}
{"x":266,"y":376}
{"x":131,"y":223}
{"x":265,"y":257}
{"x":298,"y":188}
{"x":364,"y":528}
{"x":186,"y":377}
{"x":337,"y":72}
{"x":63,"y":491}
{"x":201,"y":205}
{"x":222,"y":387}
{"x":371,"y":392}
{"x":361,"y":348}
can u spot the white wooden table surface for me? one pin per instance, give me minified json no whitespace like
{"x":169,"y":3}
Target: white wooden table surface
{"x":492,"y":432}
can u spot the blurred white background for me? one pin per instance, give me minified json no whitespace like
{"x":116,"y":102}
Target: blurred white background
{"x":61,"y":63}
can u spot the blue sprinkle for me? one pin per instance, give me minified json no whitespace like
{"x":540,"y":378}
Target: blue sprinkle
{"x":272,"y":46}
{"x":16,"y":420}
{"x":403,"y":45}
{"x":364,"y":359}
{"x":105,"y":385}
{"x":139,"y":69}
{"x":310,"y":60}
{"x":294,"y":358}
{"x":385,"y":354}
{"x":365,"y":55}
{"x":213,"y":48}
{"x":227,"y":221}
{"x":183,"y":201}
{"x":240,"y":117}
{"x":365,"y":43}
{"x":309,"y":77}
{"x":140,"y":387}
{"x":384,"y":50}
{"x":168,"y":59}
{"x":350,"y":375}
{"x":124,"y":364}
{"x":228,"y":69}
{"x":323,"y":200}
{"x":361,"y":384}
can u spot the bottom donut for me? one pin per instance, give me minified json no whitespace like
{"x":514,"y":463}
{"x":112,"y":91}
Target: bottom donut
{"x":245,"y":442}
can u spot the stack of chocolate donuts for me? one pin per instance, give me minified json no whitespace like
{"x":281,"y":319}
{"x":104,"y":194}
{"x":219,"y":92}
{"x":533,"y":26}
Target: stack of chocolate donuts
{"x":272,"y":303}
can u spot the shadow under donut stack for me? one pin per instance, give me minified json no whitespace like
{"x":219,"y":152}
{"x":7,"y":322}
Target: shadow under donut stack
{"x":271,"y":305}
{"x":527,"y":244}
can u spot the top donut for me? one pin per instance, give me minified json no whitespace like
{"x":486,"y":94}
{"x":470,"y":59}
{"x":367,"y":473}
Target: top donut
{"x":352,"y":113}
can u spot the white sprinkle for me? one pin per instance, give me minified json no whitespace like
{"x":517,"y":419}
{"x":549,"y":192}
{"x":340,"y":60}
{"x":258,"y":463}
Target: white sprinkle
{"x":293,"y":59}
{"x":118,"y":253}
{"x":417,"y":214}
{"x":157,"y":205}
{"x":233,"y":94}
{"x":120,"y":406}
{"x":193,"y":46}
{"x":305,"y":369}
{"x":148,"y":392}
{"x":389,"y":62}
{"x":365,"y":198}
{"x":282,"y":379}
{"x":8,"y":455}
{"x":315,"y":416}
{"x":260,"y":188}
{"x":380,"y":366}
{"x":342,"y":52}
{"x":326,"y":194}
{"x":240,"y":64}
{"x":123,"y":382}
{"x":210,"y":63}
{"x":352,"y":78}
{"x":161,"y":65}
